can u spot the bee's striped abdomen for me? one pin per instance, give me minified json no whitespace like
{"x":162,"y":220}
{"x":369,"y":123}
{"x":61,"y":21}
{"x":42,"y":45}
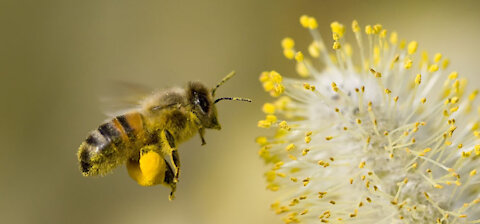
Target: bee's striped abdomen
{"x":110,"y":145}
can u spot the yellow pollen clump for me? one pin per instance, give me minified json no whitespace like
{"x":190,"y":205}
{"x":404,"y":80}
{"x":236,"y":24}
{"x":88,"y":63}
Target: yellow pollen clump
{"x":361,"y":165}
{"x":336,"y":45}
{"x":268,"y":108}
{"x":288,"y":43}
{"x":412,"y":47}
{"x":272,"y":83}
{"x":408,"y":63}
{"x":453,"y":76}
{"x":394,"y":38}
{"x":418,"y":79}
{"x":289,"y":53}
{"x":337,"y":28}
{"x":433,"y":68}
{"x":377,"y":28}
{"x":437,"y":57}
{"x":290,"y":147}
{"x":299,"y":56}
{"x":368,"y":30}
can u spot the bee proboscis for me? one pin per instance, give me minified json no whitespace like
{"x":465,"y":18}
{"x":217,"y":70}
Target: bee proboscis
{"x":146,"y":138}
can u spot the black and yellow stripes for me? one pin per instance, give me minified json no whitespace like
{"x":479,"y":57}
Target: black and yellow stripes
{"x":111,"y":144}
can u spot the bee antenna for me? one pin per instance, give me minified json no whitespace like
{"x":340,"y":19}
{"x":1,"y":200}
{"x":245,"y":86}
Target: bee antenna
{"x":232,"y":98}
{"x":229,"y":76}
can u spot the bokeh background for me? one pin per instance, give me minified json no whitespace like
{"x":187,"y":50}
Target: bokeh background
{"x":58,"y":56}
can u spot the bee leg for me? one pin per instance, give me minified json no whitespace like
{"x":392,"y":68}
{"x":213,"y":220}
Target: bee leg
{"x":176,"y":162}
{"x":170,"y":152}
{"x":201,"y":131}
{"x":169,"y":180}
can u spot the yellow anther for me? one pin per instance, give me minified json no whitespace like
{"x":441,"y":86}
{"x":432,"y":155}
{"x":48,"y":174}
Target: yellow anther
{"x":408,"y":63}
{"x":312,"y":23}
{"x":453,"y":76}
{"x":438,"y":186}
{"x":437,"y":57}
{"x":306,"y":86}
{"x":288,"y":43}
{"x":402,"y":44}
{"x":264,"y":76}
{"x":473,"y":95}
{"x":302,"y":69}
{"x":334,"y":87}
{"x":453,"y":109}
{"x":306,"y":181}
{"x":268,"y":108}
{"x":355,"y":26}
{"x":383,"y":34}
{"x":271,"y":118}
{"x":423,"y":100}
{"x":395,"y":99}
{"x":264,"y":124}
{"x":288,"y":53}
{"x":305,"y":152}
{"x":433,"y":68}
{"x":361,"y":165}
{"x":418,"y":79}
{"x":377,"y":28}
{"x":262,"y":140}
{"x":336,"y":45}
{"x":445,"y":63}
{"x":368,"y":30}
{"x":284,"y":125}
{"x":293,"y":179}
{"x":454,"y":100}
{"x":337,"y":28}
{"x":304,"y":21}
{"x":412,"y":47}
{"x":473,"y":172}
{"x":387,"y":91}
{"x":299,"y":56}
{"x":308,"y":139}
{"x":328,"y":138}
{"x":290,"y":147}
{"x":335,"y":36}
{"x":394,"y":38}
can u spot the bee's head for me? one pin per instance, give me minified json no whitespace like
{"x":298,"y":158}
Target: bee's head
{"x":203,"y":106}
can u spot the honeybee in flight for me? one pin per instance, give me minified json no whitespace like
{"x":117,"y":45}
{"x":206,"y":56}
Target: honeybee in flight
{"x":146,"y":138}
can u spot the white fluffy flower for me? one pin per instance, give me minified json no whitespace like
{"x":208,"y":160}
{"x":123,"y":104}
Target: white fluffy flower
{"x":376,"y":136}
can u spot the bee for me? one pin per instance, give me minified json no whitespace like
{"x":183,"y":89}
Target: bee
{"x":146,"y":138}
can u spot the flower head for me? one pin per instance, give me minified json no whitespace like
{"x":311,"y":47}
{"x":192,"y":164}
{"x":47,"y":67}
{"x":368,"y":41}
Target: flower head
{"x":379,"y":135}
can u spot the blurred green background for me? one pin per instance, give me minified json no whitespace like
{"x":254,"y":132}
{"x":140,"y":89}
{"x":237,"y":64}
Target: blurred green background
{"x":57,"y":56}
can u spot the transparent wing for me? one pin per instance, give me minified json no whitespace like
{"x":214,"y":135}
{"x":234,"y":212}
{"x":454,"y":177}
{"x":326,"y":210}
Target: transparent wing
{"x":121,"y":96}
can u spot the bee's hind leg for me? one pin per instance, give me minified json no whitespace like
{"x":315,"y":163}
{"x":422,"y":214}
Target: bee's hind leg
{"x":170,"y":152}
{"x":169,"y":180}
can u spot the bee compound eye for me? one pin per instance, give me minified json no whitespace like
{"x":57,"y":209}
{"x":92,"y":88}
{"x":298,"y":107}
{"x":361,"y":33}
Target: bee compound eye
{"x":203,"y":103}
